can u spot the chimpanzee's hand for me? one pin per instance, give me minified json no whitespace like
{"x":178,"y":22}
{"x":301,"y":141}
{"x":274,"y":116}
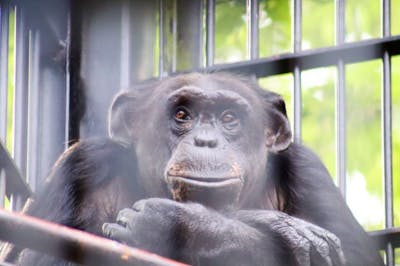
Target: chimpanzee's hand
{"x":151,"y":224}
{"x":196,"y":234}
{"x":308,"y":243}
{"x":190,"y":232}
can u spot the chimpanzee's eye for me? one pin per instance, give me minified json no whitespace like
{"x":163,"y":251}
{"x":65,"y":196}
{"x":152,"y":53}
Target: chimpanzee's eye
{"x":182,"y":115}
{"x":229,"y":117}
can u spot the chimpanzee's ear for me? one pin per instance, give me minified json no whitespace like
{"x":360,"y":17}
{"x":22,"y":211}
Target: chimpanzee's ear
{"x":278,"y":133}
{"x":121,"y":116}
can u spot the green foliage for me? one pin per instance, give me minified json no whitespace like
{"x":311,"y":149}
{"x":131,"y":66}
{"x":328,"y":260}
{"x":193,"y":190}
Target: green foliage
{"x":363,"y":19}
{"x":231,"y":31}
{"x":318,"y":114}
{"x":363,"y":116}
{"x":363,"y":133}
{"x":318,"y":25}
{"x":274,"y":27}
{"x":395,"y":14}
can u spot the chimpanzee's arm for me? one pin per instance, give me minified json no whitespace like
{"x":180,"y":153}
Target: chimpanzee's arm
{"x":201,"y":236}
{"x":87,"y":186}
{"x":310,"y":194}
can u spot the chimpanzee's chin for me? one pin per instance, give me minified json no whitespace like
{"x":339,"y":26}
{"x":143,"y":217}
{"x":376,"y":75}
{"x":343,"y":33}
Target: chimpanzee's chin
{"x":217,"y":194}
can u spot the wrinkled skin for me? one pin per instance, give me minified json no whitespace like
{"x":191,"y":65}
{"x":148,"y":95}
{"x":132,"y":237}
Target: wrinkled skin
{"x":201,"y":168}
{"x":138,"y":227}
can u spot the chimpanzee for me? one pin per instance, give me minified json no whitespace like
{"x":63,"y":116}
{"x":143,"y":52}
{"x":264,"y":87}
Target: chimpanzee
{"x":201,"y":168}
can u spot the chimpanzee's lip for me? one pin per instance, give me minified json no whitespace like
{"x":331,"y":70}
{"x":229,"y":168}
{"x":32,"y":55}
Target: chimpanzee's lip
{"x":204,"y":181}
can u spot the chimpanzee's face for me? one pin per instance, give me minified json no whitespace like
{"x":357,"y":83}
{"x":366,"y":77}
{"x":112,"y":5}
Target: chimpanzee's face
{"x":205,"y":138}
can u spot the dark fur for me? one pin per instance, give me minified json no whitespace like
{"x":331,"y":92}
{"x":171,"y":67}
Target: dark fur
{"x":95,"y":179}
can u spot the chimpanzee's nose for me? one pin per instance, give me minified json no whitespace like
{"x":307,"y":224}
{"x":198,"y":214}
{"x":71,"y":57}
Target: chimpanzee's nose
{"x":205,"y":138}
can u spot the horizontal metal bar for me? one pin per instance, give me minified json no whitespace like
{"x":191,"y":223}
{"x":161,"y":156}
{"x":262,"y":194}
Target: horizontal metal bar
{"x":382,"y":237}
{"x":285,"y":63}
{"x":14,"y":181}
{"x":54,"y":239}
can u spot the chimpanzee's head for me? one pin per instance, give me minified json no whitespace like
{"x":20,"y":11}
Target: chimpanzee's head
{"x":202,"y":137}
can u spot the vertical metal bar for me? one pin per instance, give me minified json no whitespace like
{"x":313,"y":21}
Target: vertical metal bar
{"x":138,"y":60}
{"x":340,"y":22}
{"x":125,"y":60}
{"x":297,"y":104}
{"x":161,"y":38}
{"x":189,"y":34}
{"x":297,"y":34}
{"x":2,"y":188}
{"x":387,"y":132}
{"x":210,"y":32}
{"x":174,"y":34}
{"x":341,"y":127}
{"x":74,"y":86}
{"x":297,"y":71}
{"x":4,"y":71}
{"x":67,"y":81}
{"x":252,"y":29}
{"x":200,"y":30}
{"x":21,"y":92}
{"x":386,"y":5}
{"x":387,"y":150}
{"x":33,"y":114}
{"x":340,"y":101}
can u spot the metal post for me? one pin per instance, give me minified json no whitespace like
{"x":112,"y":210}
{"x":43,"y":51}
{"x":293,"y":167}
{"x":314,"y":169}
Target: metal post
{"x":340,"y":101}
{"x":210,"y":31}
{"x":188,"y":44}
{"x":387,"y":132}
{"x":297,"y":104}
{"x":33,"y":105}
{"x":174,"y":33}
{"x":161,"y":38}
{"x":252,"y":29}
{"x":4,"y":71}
{"x":297,"y":71}
{"x":21,"y":92}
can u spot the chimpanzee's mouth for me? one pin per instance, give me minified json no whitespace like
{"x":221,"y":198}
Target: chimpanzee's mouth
{"x":216,"y":192}
{"x":204,"y":181}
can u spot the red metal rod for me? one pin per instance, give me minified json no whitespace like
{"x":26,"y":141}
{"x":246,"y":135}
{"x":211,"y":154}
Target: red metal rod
{"x":71,"y":244}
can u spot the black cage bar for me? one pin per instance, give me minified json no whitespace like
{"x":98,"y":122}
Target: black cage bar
{"x":66,"y":52}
